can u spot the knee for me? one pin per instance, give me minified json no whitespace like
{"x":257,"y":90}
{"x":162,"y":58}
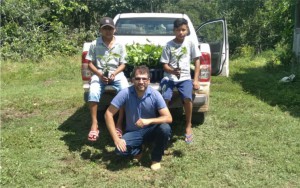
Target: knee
{"x":187,"y":100}
{"x":165,"y":129}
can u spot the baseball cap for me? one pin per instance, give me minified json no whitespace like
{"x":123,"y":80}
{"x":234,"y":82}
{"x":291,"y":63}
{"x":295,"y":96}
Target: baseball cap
{"x":106,"y":21}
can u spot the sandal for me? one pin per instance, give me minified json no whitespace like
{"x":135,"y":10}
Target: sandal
{"x":119,"y":132}
{"x":93,"y":135}
{"x":188,"y":138}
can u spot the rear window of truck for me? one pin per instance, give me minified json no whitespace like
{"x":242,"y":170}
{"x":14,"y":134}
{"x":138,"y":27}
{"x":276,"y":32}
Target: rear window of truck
{"x":145,"y":26}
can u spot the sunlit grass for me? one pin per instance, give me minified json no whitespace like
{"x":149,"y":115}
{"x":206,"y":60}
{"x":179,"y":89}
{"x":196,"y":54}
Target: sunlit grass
{"x":250,"y":137}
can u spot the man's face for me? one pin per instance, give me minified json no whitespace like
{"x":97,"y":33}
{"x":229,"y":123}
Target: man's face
{"x":141,"y":81}
{"x":107,"y":31}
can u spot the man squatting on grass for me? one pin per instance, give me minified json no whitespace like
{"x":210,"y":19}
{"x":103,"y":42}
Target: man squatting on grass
{"x":103,"y":48}
{"x":188,"y":51}
{"x":147,"y":118}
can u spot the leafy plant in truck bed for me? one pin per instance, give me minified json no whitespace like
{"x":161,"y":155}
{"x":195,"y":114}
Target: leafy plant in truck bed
{"x":143,"y":54}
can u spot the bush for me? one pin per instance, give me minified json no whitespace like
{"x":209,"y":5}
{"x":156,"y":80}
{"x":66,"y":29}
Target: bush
{"x":245,"y":51}
{"x":28,"y":31}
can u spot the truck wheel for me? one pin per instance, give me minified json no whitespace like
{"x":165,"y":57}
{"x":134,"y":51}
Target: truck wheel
{"x":198,"y":118}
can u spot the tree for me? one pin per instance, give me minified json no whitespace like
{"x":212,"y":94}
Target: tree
{"x":36,"y":28}
{"x":260,"y":24}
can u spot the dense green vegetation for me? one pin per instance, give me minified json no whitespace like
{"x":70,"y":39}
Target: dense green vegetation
{"x":148,"y":54}
{"x":250,"y":137}
{"x":33,"y":29}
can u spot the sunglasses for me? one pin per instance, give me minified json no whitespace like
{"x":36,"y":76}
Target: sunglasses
{"x":138,"y":79}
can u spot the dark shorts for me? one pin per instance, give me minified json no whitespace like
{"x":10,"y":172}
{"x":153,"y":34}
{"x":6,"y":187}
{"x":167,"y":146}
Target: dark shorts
{"x":185,"y":89}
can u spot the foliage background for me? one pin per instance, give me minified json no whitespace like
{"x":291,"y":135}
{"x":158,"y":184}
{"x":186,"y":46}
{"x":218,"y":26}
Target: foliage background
{"x":33,"y":29}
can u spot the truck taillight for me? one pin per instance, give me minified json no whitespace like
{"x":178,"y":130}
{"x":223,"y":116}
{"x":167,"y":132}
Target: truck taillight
{"x":85,"y":71}
{"x":205,"y":67}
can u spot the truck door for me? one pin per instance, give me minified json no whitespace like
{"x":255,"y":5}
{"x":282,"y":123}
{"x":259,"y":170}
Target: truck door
{"x":215,"y":33}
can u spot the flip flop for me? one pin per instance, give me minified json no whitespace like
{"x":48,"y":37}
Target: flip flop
{"x":119,"y":132}
{"x":138,"y":158}
{"x":93,"y":135}
{"x":188,"y":138}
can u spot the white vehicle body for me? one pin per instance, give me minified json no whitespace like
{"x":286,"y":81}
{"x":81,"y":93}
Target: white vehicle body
{"x":157,"y":28}
{"x":143,"y":38}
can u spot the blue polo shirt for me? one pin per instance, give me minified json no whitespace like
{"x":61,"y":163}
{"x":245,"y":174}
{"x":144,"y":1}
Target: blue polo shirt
{"x":135,"y":108}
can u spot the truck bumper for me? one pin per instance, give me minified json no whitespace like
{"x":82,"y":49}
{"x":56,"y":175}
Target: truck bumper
{"x":200,"y":98}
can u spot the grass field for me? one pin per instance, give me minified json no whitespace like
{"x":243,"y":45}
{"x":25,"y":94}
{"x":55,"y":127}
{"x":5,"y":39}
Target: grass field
{"x":250,"y":137}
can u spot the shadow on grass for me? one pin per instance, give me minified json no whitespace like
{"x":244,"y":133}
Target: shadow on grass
{"x":77,"y":127}
{"x":264,"y":84}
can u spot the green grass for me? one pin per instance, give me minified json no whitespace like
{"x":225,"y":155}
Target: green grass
{"x":250,"y":137}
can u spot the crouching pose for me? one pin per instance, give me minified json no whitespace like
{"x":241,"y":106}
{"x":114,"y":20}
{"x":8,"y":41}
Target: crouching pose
{"x":147,"y":118}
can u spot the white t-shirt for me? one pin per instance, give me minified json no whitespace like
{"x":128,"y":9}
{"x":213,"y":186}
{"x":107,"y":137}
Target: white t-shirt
{"x":169,"y":53}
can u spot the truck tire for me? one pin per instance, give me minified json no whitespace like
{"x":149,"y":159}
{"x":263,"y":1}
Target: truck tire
{"x":198,"y":118}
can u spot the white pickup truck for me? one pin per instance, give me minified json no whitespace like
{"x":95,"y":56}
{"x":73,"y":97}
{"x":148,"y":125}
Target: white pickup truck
{"x":141,"y":28}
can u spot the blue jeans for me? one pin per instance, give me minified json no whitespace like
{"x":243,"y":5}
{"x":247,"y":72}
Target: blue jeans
{"x":97,"y":87}
{"x":158,"y":134}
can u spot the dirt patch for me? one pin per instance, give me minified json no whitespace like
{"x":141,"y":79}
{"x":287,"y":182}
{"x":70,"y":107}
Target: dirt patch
{"x":10,"y":114}
{"x":48,"y":83}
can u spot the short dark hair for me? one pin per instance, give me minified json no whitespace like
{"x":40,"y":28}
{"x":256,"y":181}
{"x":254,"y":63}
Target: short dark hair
{"x":142,"y":69}
{"x":179,"y":22}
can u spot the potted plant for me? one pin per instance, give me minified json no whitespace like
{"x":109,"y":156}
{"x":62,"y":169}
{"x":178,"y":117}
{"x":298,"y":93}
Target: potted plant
{"x":145,"y":54}
{"x":106,"y":58}
{"x":178,"y":56}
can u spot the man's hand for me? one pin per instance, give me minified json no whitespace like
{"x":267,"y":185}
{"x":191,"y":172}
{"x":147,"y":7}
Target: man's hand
{"x":142,"y":122}
{"x":121,"y":145}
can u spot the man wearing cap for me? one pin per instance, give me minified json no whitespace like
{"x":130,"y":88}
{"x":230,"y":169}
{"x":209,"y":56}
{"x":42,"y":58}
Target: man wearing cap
{"x":107,"y":61}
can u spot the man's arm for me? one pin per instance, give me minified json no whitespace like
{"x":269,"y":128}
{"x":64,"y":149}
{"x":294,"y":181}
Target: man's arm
{"x":110,"y":123}
{"x":164,"y":117}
